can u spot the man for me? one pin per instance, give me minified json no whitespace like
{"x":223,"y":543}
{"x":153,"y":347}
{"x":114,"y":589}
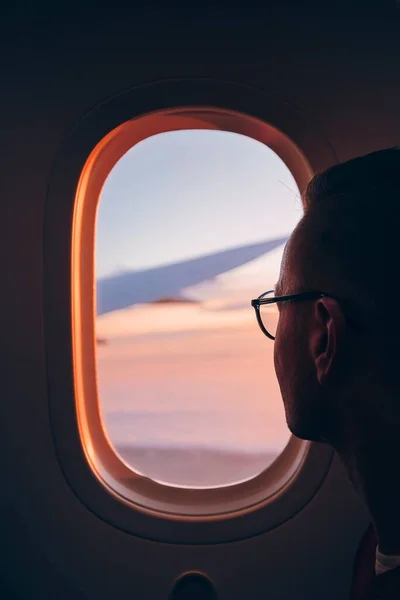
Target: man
{"x":337,"y":339}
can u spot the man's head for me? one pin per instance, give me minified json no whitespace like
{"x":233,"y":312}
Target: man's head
{"x":334,"y":356}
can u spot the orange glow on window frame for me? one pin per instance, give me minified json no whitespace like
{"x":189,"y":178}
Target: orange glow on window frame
{"x":110,"y":469}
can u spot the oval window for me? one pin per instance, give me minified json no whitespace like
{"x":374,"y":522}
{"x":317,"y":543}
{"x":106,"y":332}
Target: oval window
{"x":191,"y":226}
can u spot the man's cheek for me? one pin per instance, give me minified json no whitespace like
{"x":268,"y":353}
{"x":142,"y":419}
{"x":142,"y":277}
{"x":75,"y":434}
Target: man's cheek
{"x":278,"y":362}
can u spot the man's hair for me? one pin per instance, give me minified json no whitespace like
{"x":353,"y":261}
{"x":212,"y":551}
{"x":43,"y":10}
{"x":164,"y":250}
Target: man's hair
{"x":367,"y":177}
{"x":348,"y":241}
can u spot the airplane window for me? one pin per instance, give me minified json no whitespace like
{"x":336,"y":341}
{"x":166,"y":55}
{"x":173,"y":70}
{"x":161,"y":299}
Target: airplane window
{"x":191,"y":226}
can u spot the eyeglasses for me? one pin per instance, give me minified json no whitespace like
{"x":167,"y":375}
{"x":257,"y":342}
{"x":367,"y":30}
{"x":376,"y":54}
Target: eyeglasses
{"x":266,"y":307}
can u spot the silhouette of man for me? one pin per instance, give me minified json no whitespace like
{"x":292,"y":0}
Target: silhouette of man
{"x":337,"y":341}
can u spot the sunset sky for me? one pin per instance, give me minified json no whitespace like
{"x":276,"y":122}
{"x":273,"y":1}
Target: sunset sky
{"x":196,"y":375}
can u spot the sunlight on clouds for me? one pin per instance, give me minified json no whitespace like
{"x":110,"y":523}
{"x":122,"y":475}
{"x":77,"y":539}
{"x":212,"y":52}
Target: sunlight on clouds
{"x":144,"y":319}
{"x":216,"y":388}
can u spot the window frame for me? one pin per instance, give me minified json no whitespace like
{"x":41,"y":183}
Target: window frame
{"x":101,"y":479}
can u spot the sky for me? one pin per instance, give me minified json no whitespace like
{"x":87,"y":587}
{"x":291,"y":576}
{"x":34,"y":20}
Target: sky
{"x":196,"y":376}
{"x":182,"y":194}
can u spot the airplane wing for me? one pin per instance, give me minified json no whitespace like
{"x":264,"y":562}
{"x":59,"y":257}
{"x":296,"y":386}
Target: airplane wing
{"x":133,"y":287}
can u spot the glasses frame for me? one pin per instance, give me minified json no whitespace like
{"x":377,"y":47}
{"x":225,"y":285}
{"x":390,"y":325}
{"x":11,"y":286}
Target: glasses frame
{"x":260,"y":301}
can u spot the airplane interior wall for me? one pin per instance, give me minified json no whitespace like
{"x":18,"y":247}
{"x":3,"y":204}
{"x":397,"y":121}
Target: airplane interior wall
{"x":342,"y":76}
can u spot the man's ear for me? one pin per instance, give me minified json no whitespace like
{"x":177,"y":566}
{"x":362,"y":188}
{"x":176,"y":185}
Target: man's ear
{"x":327,"y":335}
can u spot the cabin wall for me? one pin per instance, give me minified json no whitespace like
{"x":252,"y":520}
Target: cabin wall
{"x":344,"y":79}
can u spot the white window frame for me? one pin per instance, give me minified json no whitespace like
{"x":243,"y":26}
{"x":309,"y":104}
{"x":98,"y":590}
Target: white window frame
{"x":101,"y":479}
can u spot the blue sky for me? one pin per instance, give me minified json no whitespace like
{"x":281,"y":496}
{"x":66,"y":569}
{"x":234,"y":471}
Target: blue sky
{"x":182,"y":194}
